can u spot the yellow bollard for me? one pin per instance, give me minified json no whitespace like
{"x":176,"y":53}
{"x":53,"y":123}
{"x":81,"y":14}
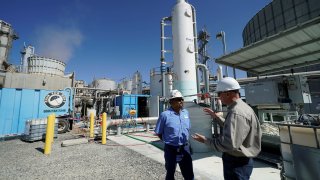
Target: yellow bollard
{"x":49,"y":135}
{"x":52,"y":126}
{"x":91,"y":125}
{"x":104,"y":128}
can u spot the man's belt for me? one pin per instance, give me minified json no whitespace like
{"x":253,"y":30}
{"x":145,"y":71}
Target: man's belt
{"x":178,"y":148}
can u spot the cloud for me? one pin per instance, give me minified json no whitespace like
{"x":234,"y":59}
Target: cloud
{"x":57,"y":42}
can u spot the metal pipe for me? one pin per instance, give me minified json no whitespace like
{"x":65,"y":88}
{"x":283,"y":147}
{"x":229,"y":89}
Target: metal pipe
{"x":170,"y":81}
{"x":148,"y":120}
{"x":206,"y":76}
{"x":195,"y":40}
{"x":249,"y":79}
{"x":219,"y":73}
{"x":221,"y":35}
{"x":162,"y":58}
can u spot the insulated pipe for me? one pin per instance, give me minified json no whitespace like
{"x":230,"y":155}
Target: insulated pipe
{"x":206,"y":76}
{"x":219,"y":77}
{"x":170,"y":81}
{"x":162,"y":59}
{"x":219,"y":73}
{"x":148,"y":120}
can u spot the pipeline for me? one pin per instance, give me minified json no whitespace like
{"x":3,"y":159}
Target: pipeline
{"x":148,"y":120}
{"x":205,"y":75}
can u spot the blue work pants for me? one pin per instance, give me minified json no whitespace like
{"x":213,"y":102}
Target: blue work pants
{"x":180,"y":155}
{"x":236,"y":168}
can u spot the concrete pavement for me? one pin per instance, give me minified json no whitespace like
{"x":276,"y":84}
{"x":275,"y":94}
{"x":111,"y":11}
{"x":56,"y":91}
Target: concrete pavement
{"x":206,"y":165}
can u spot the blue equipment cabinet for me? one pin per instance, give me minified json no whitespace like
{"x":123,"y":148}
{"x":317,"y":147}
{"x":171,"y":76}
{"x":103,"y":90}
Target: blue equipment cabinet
{"x":19,"y":105}
{"x":133,"y":102}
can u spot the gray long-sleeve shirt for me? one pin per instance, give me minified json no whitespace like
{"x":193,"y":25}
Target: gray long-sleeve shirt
{"x":241,"y":132}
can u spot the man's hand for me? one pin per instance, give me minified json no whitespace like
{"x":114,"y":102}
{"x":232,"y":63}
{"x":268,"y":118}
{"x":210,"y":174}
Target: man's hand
{"x":160,"y":136}
{"x":212,"y":113}
{"x":199,"y":137}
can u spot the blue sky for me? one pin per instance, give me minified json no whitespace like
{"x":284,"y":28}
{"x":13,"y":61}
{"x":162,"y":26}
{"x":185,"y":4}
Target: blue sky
{"x":115,"y":38}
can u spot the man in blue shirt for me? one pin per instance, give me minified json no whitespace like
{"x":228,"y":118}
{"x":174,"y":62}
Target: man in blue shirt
{"x":173,"y":128}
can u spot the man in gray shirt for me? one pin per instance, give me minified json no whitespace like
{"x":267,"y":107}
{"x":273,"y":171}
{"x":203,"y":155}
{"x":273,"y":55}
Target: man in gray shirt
{"x":240,"y":140}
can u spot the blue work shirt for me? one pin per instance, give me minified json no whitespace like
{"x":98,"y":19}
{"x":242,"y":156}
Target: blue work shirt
{"x":174,"y":127}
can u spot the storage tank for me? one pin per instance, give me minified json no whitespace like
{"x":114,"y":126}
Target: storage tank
{"x":184,"y":51}
{"x":44,"y":65}
{"x":127,"y":84}
{"x":136,"y":83}
{"x":156,"y":89}
{"x":104,"y":83}
{"x":155,"y":92}
{"x":155,"y":83}
{"x":6,"y":36}
{"x":200,"y":123}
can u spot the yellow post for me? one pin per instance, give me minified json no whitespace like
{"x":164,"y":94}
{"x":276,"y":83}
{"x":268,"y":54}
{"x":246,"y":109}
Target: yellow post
{"x":53,"y":122}
{"x":91,"y":125}
{"x":49,"y":134}
{"x":104,"y":128}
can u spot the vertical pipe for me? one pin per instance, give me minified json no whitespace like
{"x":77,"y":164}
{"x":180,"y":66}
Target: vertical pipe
{"x":170,"y":81}
{"x":148,"y":127}
{"x":118,"y":130}
{"x":104,"y":128}
{"x":206,"y":75}
{"x":49,"y":135}
{"x":91,"y":125}
{"x":224,"y":49}
{"x":162,"y":62}
{"x":195,"y":45}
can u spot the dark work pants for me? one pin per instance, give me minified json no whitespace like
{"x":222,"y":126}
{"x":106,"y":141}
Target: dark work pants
{"x":183,"y":158}
{"x":236,"y":167}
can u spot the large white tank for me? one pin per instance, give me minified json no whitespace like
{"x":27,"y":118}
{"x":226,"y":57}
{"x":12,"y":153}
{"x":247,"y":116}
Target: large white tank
{"x":136,"y":83}
{"x":6,"y":36}
{"x":104,"y":83}
{"x":183,"y":49}
{"x":200,"y":123}
{"x":155,"y":83}
{"x":43,"y":65}
{"x":155,"y":92}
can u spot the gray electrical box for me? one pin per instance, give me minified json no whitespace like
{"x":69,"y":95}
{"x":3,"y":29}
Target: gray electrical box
{"x":260,"y":93}
{"x":298,"y":90}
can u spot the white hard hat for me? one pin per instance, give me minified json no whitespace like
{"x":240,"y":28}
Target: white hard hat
{"x":175,"y":94}
{"x":227,"y":84}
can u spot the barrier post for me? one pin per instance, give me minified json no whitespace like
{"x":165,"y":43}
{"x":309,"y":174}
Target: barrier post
{"x":49,"y":134}
{"x":91,"y":125}
{"x":53,"y":122}
{"x":104,"y":128}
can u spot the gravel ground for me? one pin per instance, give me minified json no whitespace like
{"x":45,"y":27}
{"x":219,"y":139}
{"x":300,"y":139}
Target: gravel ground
{"x":23,"y":160}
